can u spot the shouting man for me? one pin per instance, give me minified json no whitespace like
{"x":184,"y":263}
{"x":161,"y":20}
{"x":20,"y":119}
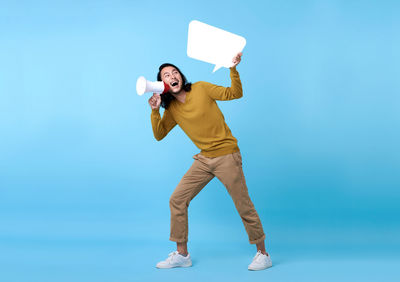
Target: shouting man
{"x":193,"y":107}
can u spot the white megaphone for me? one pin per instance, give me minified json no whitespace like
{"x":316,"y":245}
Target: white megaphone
{"x":143,"y":86}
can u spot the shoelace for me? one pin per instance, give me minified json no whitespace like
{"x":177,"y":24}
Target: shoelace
{"x":171,"y":256}
{"x":257,"y":255}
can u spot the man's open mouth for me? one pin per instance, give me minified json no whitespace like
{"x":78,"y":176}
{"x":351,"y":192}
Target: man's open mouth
{"x":175,"y":83}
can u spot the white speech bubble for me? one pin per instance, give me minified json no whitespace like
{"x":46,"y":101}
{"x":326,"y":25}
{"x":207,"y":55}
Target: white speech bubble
{"x":213,"y":45}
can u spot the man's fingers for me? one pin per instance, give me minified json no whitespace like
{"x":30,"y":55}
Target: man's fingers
{"x":155,"y":101}
{"x":237,"y":58}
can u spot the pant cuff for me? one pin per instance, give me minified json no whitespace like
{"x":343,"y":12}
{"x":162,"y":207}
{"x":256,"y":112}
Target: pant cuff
{"x":258,"y":240}
{"x":177,"y":240}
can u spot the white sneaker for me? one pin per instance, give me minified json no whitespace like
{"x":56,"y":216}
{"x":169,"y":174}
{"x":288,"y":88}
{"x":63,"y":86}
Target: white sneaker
{"x":260,"y":262}
{"x":175,"y":260}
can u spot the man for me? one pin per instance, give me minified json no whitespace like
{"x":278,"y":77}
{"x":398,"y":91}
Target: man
{"x":194,"y":109}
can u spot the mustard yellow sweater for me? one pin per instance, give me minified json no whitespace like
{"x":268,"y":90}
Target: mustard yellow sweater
{"x":200,"y":117}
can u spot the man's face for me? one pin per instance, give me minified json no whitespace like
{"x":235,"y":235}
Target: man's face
{"x":173,"y":78}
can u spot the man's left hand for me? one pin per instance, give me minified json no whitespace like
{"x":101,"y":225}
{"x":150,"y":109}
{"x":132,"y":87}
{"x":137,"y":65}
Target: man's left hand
{"x":236,"y":60}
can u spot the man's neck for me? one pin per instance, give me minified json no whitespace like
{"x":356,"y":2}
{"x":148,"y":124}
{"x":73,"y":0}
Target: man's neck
{"x":181,"y":96}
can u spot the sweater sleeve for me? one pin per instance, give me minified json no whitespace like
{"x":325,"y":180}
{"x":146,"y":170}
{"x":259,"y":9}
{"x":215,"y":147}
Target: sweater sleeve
{"x":161,"y":126}
{"x":226,"y":93}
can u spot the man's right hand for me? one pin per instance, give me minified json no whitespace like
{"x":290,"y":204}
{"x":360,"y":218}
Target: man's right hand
{"x":155,"y":101}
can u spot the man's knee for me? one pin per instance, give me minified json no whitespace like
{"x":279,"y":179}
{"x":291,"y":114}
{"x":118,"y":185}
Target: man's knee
{"x":172,"y":201}
{"x":178,"y":201}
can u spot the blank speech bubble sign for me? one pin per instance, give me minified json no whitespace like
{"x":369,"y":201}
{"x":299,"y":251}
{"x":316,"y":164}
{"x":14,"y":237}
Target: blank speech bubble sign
{"x":213,"y":45}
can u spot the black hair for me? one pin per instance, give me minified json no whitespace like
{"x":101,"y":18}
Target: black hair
{"x":167,"y":98}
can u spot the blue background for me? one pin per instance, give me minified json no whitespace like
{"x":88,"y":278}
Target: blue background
{"x":85,"y":186}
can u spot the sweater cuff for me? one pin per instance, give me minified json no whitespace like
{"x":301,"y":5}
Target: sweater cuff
{"x":233,"y":70}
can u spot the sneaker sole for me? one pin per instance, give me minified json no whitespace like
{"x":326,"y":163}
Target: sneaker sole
{"x":168,"y":267}
{"x":257,"y":269}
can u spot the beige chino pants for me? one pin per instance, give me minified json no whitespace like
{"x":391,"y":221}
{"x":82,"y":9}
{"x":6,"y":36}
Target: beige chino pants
{"x":228,"y":169}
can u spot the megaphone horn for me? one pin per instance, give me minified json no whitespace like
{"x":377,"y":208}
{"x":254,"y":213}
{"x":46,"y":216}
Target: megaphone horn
{"x":143,"y":86}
